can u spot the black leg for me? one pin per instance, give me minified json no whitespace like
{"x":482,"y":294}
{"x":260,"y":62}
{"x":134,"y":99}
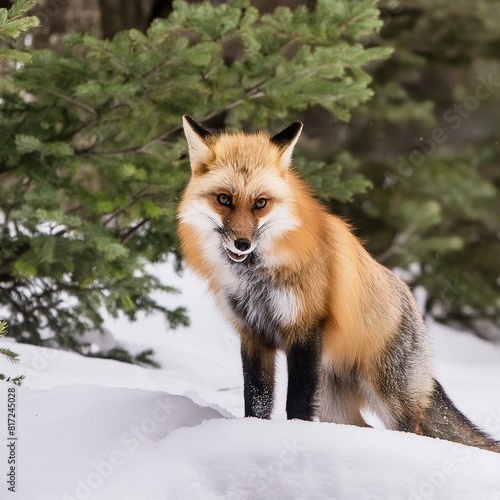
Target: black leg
{"x":303,"y":372}
{"x":258,"y":379}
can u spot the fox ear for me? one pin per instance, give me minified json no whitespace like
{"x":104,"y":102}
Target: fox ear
{"x":286,"y":140}
{"x":198,"y":139}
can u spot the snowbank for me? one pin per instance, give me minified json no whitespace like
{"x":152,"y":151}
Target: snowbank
{"x":80,"y":442}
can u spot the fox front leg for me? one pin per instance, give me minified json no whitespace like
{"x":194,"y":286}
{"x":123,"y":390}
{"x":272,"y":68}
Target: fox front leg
{"x":304,"y":360}
{"x":258,"y":378}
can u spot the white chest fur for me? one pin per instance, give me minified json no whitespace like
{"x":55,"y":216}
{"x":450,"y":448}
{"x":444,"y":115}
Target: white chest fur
{"x":253,"y":300}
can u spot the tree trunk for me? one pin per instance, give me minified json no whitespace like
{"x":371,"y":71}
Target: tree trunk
{"x":102,"y":18}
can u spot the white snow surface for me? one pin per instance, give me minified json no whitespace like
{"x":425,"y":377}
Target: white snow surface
{"x":103,"y":430}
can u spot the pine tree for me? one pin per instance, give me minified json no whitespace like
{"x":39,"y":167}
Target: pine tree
{"x":14,"y":23}
{"x":428,"y":142}
{"x":12,"y":26}
{"x":93,"y":161}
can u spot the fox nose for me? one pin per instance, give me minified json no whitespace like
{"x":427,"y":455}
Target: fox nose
{"x":242,"y":244}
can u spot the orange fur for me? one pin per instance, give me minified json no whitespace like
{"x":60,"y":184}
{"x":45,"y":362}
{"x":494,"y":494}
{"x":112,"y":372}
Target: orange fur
{"x":324,"y":263}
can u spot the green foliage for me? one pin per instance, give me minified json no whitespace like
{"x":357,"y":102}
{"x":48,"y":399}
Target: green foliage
{"x":9,"y":355}
{"x":93,"y":161}
{"x":13,"y":25}
{"x":428,"y":142}
{"x":337,"y":180}
{"x":119,"y":354}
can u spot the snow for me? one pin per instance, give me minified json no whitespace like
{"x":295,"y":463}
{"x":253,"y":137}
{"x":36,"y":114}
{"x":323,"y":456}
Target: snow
{"x":103,"y":430}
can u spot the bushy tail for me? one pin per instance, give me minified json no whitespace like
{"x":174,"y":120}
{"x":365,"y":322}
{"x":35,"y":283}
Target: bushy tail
{"x":443,"y":420}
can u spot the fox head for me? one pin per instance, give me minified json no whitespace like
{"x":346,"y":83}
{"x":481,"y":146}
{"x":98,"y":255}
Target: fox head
{"x":238,"y":200}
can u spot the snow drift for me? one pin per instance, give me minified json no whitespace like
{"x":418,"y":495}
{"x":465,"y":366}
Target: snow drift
{"x":91,"y":442}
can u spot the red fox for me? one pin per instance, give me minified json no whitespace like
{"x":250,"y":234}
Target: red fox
{"x":290,"y":276}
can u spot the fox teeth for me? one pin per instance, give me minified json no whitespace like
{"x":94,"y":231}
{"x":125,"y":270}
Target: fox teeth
{"x":236,"y":256}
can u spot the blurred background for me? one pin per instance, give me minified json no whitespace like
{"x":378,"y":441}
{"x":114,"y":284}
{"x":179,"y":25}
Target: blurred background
{"x":401,"y":106}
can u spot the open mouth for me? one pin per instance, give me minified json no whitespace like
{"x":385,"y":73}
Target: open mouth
{"x":236,"y":257}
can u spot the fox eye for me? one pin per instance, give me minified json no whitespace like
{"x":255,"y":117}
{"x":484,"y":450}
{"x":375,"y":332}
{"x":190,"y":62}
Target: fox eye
{"x":224,"y":199}
{"x":260,"y":203}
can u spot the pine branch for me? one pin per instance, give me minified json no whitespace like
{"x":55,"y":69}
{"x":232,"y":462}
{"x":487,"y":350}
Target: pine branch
{"x":74,"y":101}
{"x":12,"y":25}
{"x":254,"y":92}
{"x":21,"y":7}
{"x":128,"y":234}
{"x":9,"y":355}
{"x":398,"y":242}
{"x":143,"y":193}
{"x":357,"y":16}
